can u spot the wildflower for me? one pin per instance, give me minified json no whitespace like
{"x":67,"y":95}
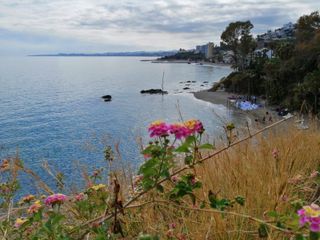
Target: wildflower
{"x":174,"y":179}
{"x":172,"y":225}
{"x":195,"y":126}
{"x":194,"y":181}
{"x":57,"y":198}
{"x":98,"y":187}
{"x":34,"y":208}
{"x":275,"y":153}
{"x":182,"y":236}
{"x":27,"y":198}
{"x":296,"y":179}
{"x":19,"y":222}
{"x":180,"y":130}
{"x":158,"y":129}
{"x":79,"y":197}
{"x":314,"y":174}
{"x":310,"y":215}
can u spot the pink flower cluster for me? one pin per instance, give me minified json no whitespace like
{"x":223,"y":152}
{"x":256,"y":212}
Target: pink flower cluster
{"x":310,"y":215}
{"x":57,"y":198}
{"x":179,"y":130}
{"x":158,"y":129}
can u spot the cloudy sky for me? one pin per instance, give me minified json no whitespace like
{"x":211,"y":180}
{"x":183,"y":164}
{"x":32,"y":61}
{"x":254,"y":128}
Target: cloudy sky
{"x":51,"y":26}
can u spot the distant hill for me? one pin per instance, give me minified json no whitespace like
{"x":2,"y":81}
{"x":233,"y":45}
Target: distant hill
{"x":110,"y":54}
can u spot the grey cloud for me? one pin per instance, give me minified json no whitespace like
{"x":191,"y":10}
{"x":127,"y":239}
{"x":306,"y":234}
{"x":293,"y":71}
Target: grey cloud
{"x":177,"y":23}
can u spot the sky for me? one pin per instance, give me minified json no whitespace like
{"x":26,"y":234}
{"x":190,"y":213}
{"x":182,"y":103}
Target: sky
{"x":88,"y":26}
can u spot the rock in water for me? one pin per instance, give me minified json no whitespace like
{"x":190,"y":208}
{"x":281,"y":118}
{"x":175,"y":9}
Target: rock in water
{"x":154,"y":91}
{"x":107,"y":98}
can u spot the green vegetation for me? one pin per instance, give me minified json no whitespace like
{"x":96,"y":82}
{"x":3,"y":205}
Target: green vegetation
{"x":185,"y":55}
{"x":290,"y":78}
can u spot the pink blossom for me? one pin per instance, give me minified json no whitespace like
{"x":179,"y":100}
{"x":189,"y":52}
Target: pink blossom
{"x":79,"y":197}
{"x":179,"y":130}
{"x":172,"y":225}
{"x":57,"y":198}
{"x":174,"y":179}
{"x":34,"y":208}
{"x":314,"y":174}
{"x":158,"y":129}
{"x":193,"y":181}
{"x":275,"y":153}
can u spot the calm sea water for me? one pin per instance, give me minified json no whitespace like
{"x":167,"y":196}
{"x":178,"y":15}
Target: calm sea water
{"x":51,"y":110}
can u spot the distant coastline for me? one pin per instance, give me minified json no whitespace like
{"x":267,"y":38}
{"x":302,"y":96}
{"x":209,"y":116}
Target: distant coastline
{"x":110,"y":54}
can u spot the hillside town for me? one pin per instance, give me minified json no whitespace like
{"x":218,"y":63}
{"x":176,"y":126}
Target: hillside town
{"x":220,"y":54}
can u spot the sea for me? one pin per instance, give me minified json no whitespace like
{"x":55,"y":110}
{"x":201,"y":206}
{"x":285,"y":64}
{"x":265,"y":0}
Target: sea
{"x":52,"y":113}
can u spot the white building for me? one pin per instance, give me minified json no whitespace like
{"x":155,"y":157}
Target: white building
{"x":206,"y":49}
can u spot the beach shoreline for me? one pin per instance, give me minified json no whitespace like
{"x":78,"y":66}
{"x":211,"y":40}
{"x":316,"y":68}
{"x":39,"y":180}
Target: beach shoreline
{"x":255,"y":117}
{"x":189,"y":62}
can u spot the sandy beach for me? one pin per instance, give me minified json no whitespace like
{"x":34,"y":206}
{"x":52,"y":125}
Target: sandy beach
{"x":255,"y":117}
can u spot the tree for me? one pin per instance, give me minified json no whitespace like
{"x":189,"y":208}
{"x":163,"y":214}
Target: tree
{"x":312,"y":86}
{"x":237,"y":38}
{"x":307,"y":27}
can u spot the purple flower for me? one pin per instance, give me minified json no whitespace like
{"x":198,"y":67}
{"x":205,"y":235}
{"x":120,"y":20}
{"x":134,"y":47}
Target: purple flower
{"x":301,"y":212}
{"x":315,"y":227}
{"x":303,"y":220}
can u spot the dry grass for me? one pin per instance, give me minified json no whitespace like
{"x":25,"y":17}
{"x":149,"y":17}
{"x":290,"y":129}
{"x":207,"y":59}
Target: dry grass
{"x":249,"y":169}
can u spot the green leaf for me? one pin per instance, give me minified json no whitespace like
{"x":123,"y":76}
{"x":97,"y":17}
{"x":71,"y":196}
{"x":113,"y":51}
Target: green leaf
{"x":263,"y":230}
{"x":300,"y":237}
{"x":203,"y":204}
{"x":189,"y":140}
{"x":314,"y":236}
{"x":184,"y":148}
{"x":273,"y":214}
{"x":240,"y":200}
{"x":197,"y":185}
{"x":280,"y":225}
{"x":188,"y":159}
{"x":160,"y":188}
{"x":206,"y":146}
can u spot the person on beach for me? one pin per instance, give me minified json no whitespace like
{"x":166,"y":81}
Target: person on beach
{"x":270,"y":119}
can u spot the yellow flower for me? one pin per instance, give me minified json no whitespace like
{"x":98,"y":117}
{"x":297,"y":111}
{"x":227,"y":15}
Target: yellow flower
{"x":190,"y":124}
{"x":157,"y":123}
{"x":312,"y":211}
{"x":98,"y":187}
{"x":19,"y":222}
